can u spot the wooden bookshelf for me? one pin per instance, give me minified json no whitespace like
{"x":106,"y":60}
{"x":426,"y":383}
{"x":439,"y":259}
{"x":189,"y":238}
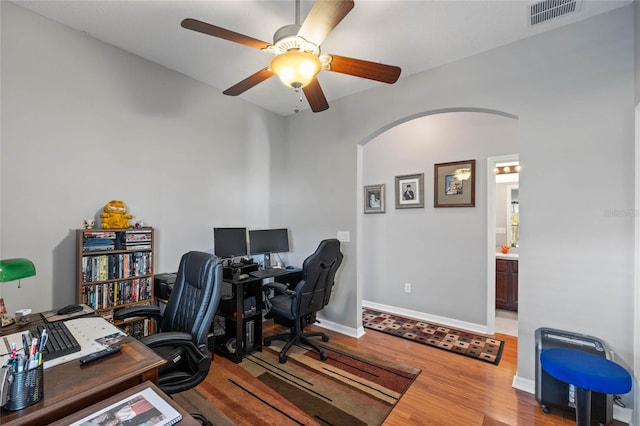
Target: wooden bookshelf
{"x":114,"y":271}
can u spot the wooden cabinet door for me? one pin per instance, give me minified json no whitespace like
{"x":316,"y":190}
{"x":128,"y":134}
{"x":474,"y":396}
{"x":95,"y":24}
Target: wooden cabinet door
{"x":507,"y":284}
{"x":502,"y":284}
{"x":514,"y":285}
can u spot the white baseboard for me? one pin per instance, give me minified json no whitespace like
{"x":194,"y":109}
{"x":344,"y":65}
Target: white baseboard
{"x":339,"y":328}
{"x":624,"y":415}
{"x":525,"y":385}
{"x":476,"y":328}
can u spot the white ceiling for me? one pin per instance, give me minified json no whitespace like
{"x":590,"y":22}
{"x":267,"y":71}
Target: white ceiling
{"x":414,"y":35}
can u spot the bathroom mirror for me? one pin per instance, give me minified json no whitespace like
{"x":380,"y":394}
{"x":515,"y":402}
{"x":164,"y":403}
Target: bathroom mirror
{"x":513,"y":215}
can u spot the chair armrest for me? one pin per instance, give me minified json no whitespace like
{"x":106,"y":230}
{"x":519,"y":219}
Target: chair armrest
{"x":279,"y":288}
{"x":166,"y":338}
{"x":138,"y":311}
{"x":182,"y":340}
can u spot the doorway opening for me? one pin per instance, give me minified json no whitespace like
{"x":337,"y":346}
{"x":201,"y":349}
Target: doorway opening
{"x":503,"y":227}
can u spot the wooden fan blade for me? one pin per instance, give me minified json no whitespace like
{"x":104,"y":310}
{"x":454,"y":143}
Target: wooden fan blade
{"x":365,"y":69}
{"x":323,"y":17}
{"x":212,"y":30}
{"x":315,"y":96}
{"x":249,"y":82}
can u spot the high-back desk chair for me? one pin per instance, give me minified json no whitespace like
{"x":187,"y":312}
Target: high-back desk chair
{"x":310,"y":295}
{"x":185,"y":324}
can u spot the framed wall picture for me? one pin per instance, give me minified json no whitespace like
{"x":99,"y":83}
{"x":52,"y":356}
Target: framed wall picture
{"x":454,"y":184}
{"x":410,"y":191}
{"x":374,"y":198}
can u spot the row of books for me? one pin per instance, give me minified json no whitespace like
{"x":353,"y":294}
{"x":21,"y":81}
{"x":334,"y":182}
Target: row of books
{"x":130,"y":239}
{"x":137,"y":329}
{"x":108,"y":295}
{"x":139,"y":239}
{"x":115,"y":266}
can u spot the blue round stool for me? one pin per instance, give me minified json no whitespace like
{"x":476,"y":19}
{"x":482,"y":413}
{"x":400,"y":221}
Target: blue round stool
{"x":587,"y":372}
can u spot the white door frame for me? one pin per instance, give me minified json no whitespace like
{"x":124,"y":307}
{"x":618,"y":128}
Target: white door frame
{"x":491,"y":237}
{"x":636,"y":316}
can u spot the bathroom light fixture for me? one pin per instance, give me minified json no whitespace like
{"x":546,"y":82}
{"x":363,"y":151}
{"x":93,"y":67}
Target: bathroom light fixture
{"x":462,"y":174}
{"x":505,"y":170}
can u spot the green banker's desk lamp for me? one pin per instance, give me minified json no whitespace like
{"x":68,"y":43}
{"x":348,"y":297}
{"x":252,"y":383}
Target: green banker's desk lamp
{"x":11,"y":270}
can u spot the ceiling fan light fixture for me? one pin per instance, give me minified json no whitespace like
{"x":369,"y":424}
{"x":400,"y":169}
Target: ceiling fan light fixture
{"x":295,"y":68}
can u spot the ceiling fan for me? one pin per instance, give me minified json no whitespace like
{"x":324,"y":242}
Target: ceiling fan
{"x":297,"y":59}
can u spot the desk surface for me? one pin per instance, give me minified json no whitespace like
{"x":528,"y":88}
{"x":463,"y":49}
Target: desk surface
{"x":284,"y":275}
{"x":71,"y":387}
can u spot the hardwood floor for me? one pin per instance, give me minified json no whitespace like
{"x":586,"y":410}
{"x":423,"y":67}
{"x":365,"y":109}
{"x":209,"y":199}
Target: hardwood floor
{"x":452,"y":389}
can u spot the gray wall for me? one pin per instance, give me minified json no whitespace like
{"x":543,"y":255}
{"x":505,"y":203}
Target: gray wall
{"x":572,"y":91}
{"x":73,"y":107}
{"x":84,"y":123}
{"x":636,"y":8}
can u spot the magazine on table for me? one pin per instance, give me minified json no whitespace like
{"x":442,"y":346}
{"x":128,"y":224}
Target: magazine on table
{"x":145,"y":408}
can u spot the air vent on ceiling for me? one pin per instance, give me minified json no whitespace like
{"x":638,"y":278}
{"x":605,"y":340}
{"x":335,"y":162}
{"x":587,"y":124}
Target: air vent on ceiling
{"x":546,"y":10}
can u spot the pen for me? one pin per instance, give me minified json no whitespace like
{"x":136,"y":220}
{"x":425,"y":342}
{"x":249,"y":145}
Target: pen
{"x":43,"y":340}
{"x":25,"y":345}
{"x":34,"y":347}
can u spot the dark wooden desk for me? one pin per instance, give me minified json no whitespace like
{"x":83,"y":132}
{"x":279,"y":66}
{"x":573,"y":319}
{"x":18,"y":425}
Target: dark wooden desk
{"x":71,"y":387}
{"x":245,"y":325}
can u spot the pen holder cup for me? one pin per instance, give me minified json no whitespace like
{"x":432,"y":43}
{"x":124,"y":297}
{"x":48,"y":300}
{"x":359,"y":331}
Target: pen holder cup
{"x":26,"y":389}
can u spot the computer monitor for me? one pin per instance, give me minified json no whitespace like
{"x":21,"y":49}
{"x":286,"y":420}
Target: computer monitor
{"x":267,"y":241}
{"x":230,"y":242}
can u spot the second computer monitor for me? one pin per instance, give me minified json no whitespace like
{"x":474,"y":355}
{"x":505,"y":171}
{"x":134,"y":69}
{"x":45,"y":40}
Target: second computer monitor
{"x":267,"y":241}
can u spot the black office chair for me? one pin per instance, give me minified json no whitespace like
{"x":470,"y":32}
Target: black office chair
{"x":310,"y":295}
{"x":184,"y":326}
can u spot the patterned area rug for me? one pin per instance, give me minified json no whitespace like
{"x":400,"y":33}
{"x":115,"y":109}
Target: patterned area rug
{"x":349,"y":388}
{"x":461,"y":342}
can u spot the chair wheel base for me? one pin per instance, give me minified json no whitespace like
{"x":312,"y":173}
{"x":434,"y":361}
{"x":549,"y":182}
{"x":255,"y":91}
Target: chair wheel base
{"x":325,"y":338}
{"x":282,"y":358}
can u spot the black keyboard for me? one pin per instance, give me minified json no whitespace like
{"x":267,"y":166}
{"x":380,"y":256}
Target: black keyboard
{"x":268,"y":272}
{"x":60,"y":342}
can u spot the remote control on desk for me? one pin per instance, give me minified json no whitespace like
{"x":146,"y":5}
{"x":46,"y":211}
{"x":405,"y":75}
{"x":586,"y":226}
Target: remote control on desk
{"x":100,"y":354}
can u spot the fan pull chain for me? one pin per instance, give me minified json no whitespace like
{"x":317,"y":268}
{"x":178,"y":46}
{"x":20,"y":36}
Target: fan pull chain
{"x":299,"y":93}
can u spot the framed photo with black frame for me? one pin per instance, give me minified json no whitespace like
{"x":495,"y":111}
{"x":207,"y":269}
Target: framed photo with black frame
{"x":454,"y":184}
{"x":410,"y":191}
{"x":374,"y":198}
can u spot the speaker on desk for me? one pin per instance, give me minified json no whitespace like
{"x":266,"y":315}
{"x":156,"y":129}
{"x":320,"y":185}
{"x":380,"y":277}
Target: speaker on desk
{"x":163,"y":284}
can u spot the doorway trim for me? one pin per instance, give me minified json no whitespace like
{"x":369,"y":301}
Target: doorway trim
{"x":491,"y":237}
{"x":636,"y":279}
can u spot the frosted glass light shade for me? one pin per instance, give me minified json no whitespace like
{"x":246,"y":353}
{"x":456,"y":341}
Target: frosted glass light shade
{"x":295,"y":68}
{"x":15,"y":269}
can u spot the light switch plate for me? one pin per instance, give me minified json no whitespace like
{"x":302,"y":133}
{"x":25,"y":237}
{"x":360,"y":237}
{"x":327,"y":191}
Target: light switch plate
{"x":344,"y":236}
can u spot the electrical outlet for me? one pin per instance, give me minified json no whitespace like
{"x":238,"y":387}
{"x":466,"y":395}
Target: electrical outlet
{"x":407,"y":287}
